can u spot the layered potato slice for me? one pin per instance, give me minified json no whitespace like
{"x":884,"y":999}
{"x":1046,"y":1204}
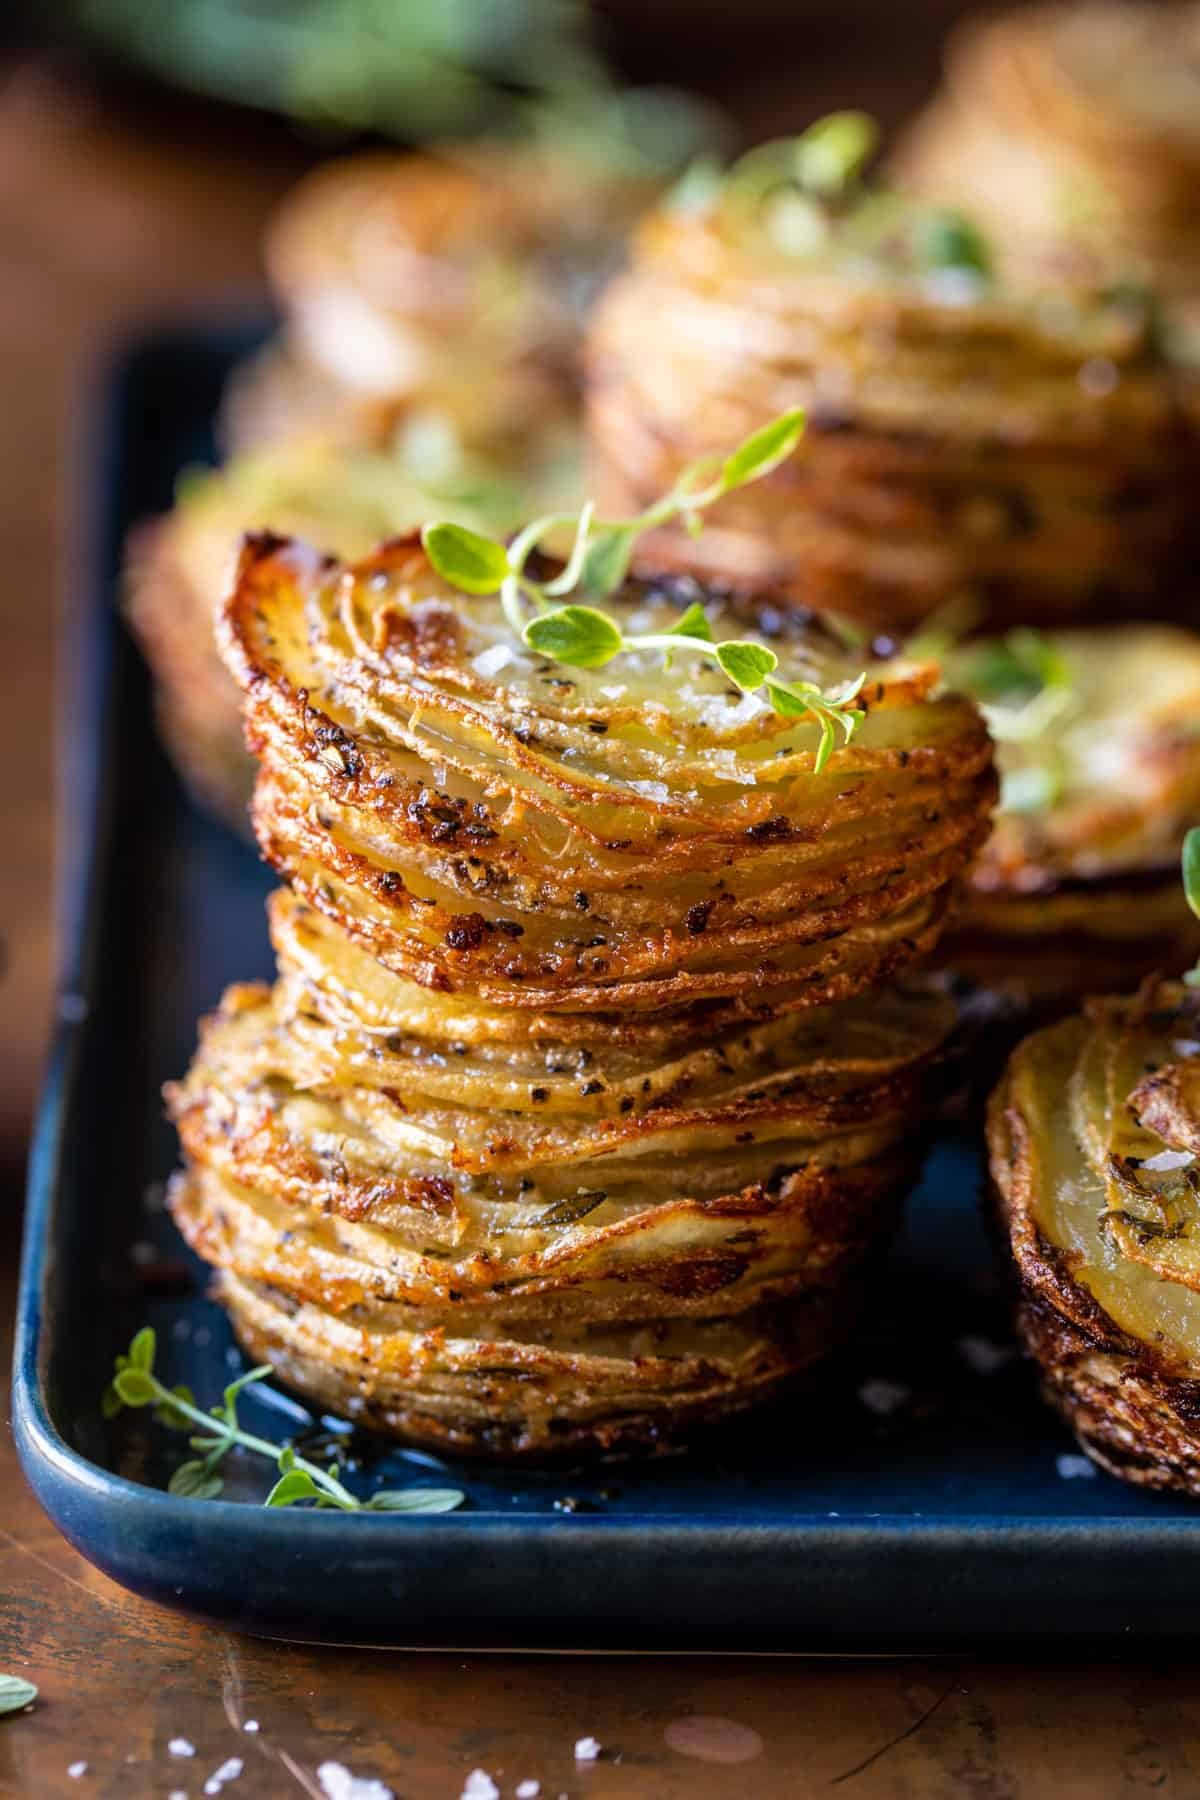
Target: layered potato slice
{"x":1030,"y":453}
{"x":179,"y":566}
{"x":456,"y":281}
{"x":538,"y":1247}
{"x":482,"y":820}
{"x":1077,"y":890}
{"x":1094,"y":1138}
{"x":1073,"y":131}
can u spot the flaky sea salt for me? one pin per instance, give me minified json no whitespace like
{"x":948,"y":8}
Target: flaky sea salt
{"x":480,"y":1786}
{"x":250,"y":1725}
{"x":337,"y":1781}
{"x":982,"y":1356}
{"x":76,"y":1769}
{"x":1075,"y":1468}
{"x":229,"y":1771}
{"x":180,"y":1747}
{"x":489,"y":662}
{"x":1168,"y":1159}
{"x":528,"y":1790}
{"x":884,"y":1397}
{"x":587,"y":1749}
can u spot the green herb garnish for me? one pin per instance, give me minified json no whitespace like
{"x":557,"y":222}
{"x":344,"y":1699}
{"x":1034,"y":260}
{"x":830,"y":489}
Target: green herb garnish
{"x":16,"y":1693}
{"x":1191,"y":887}
{"x":948,"y":240}
{"x":825,"y":162}
{"x":584,"y":637}
{"x":134,"y":1384}
{"x":1022,"y":682}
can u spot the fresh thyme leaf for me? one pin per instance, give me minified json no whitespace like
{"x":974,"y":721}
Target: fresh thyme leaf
{"x":697,"y":187}
{"x":471,"y":562}
{"x":135,"y":1388}
{"x":1030,"y":790}
{"x":577,"y":635}
{"x":423,"y":1500}
{"x":297,"y":1484}
{"x":763,"y":451}
{"x":747,"y":665}
{"x":141,"y":1351}
{"x":195,"y":1480}
{"x":948,"y":240}
{"x":833,"y":152}
{"x":16,"y":1693}
{"x":1191,"y":869}
{"x":1191,"y":888}
{"x":692,"y":623}
{"x":607,"y":561}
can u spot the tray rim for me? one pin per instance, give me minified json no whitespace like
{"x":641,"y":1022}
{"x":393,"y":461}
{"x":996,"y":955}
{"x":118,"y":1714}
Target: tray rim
{"x":97,"y":662}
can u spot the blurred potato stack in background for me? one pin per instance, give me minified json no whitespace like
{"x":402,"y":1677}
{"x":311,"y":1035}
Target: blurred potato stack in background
{"x":1029,"y":453}
{"x":426,"y":365}
{"x":1072,"y":132}
{"x":992,"y":457}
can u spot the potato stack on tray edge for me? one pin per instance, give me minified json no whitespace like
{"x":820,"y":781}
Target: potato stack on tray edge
{"x":584,"y":1094}
{"x":1095,"y":1143}
{"x":1077,"y":891}
{"x":454,"y":284}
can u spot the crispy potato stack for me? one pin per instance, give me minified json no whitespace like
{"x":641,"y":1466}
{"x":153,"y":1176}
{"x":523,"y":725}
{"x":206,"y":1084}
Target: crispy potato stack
{"x":1077,"y":890}
{"x":1032,"y":455}
{"x":1073,"y":133}
{"x":416,"y":282}
{"x":1094,"y":1135}
{"x":577,"y":1108}
{"x":178,"y":566}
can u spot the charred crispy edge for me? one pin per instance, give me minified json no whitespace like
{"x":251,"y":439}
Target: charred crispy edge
{"x":1142,"y":1421}
{"x":549,"y":1438}
{"x":1158,"y":1102}
{"x":1132,"y":1420}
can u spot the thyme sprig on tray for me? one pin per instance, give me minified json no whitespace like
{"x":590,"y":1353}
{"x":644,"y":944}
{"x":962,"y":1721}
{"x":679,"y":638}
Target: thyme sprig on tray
{"x":585,"y":637}
{"x":217,"y":1432}
{"x":1191,"y":888}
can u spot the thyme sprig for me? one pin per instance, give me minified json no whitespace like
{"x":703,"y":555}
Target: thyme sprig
{"x":585,"y":637}
{"x":1191,"y":888}
{"x":16,"y":1694}
{"x":217,"y":1432}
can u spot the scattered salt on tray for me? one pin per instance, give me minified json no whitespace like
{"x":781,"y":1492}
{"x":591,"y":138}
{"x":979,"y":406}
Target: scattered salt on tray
{"x":1075,"y":1468}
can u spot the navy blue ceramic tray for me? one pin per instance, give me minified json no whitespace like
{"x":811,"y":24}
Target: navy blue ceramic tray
{"x":922,"y":1501}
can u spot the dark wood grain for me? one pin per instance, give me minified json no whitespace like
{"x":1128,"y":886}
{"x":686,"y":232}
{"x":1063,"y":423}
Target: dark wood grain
{"x":104,"y":218}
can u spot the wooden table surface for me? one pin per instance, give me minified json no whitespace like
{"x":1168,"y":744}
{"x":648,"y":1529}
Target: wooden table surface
{"x":100,"y":224}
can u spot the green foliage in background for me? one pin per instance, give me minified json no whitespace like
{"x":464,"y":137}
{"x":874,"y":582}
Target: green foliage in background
{"x":409,"y":69}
